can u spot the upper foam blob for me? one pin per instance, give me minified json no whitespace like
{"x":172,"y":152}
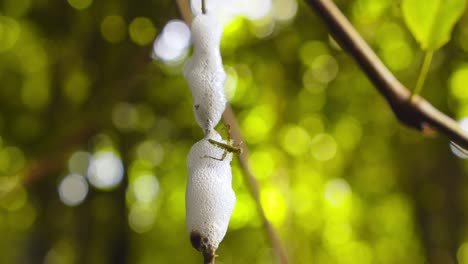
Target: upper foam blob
{"x":205,"y":73}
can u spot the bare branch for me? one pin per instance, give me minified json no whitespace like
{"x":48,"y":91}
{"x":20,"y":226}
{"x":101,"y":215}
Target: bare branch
{"x":185,"y":12}
{"x":203,"y":6}
{"x":252,"y":183}
{"x":54,"y":162}
{"x":417,"y":113}
{"x":249,"y":178}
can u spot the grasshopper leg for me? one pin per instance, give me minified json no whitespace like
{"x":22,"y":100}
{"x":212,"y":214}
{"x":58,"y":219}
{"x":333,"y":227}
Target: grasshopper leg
{"x":220,"y":159}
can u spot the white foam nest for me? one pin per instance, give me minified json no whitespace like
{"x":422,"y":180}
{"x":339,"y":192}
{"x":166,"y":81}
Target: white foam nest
{"x":204,"y":72}
{"x":209,"y":196}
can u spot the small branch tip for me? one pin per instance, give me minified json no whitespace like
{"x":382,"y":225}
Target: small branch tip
{"x":203,"y":6}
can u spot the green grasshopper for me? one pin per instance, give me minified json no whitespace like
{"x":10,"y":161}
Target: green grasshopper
{"x":227,"y":147}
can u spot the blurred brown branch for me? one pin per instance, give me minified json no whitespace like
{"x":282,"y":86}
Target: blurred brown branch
{"x":54,"y":162}
{"x":252,"y":183}
{"x":56,"y":157}
{"x":249,"y":178}
{"x":416,"y":113}
{"x":185,"y":12}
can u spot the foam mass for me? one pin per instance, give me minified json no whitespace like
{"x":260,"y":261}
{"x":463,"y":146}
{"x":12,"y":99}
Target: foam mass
{"x":204,"y":72}
{"x":209,"y":196}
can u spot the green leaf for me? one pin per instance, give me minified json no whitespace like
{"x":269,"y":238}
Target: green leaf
{"x":431,"y":21}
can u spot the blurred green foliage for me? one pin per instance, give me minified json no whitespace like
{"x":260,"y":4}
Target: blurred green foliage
{"x":340,"y":179}
{"x":431,"y":22}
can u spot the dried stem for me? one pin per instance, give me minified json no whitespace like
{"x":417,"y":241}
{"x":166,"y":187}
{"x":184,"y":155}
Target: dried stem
{"x":185,"y":12}
{"x":416,"y":113}
{"x":209,"y":259}
{"x":230,"y":118}
{"x":203,"y":6}
{"x":422,"y":74}
{"x":252,"y":183}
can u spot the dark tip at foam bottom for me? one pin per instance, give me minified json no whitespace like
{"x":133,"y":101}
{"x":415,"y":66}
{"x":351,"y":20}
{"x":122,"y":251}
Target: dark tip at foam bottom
{"x":201,"y":244}
{"x":195,"y":239}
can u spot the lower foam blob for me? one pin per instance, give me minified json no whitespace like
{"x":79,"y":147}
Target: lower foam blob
{"x":209,"y":196}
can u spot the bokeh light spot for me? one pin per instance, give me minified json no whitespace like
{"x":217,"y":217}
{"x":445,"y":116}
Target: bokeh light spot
{"x":146,"y":188}
{"x":125,"y":116}
{"x":257,"y":9}
{"x":105,"y":170}
{"x":113,"y":29}
{"x":258,"y":123}
{"x":230,"y":84}
{"x":34,"y":59}
{"x":284,"y":10}
{"x":337,"y":192}
{"x":177,"y":33}
{"x":295,"y":140}
{"x":79,"y":162}
{"x":151,"y":151}
{"x":458,"y":81}
{"x":11,"y":160}
{"x":264,"y":27}
{"x":313,"y":124}
{"x":76,"y":87}
{"x":9,"y":33}
{"x":395,"y":49}
{"x":324,"y":68}
{"x":462,"y":254}
{"x":15,"y":198}
{"x":142,"y":31}
{"x":311,"y":50}
{"x":141,"y":218}
{"x":80,"y":4}
{"x":367,"y":11}
{"x":173,"y":42}
{"x":61,"y":252}
{"x":348,"y":132}
{"x":323,"y":147}
{"x":311,"y":84}
{"x":397,"y":55}
{"x":73,"y":189}
{"x":263,"y":163}
{"x":274,"y":204}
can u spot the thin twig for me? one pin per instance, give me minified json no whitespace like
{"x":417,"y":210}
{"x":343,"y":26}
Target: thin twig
{"x":417,"y":113}
{"x":422,"y":74}
{"x":185,"y":12}
{"x":462,"y":150}
{"x":252,"y":183}
{"x":230,"y":118}
{"x":203,"y":6}
{"x":208,"y":259}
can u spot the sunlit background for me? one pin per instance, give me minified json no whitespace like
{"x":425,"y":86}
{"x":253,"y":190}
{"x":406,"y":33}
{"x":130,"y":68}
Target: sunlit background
{"x":96,"y":122}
